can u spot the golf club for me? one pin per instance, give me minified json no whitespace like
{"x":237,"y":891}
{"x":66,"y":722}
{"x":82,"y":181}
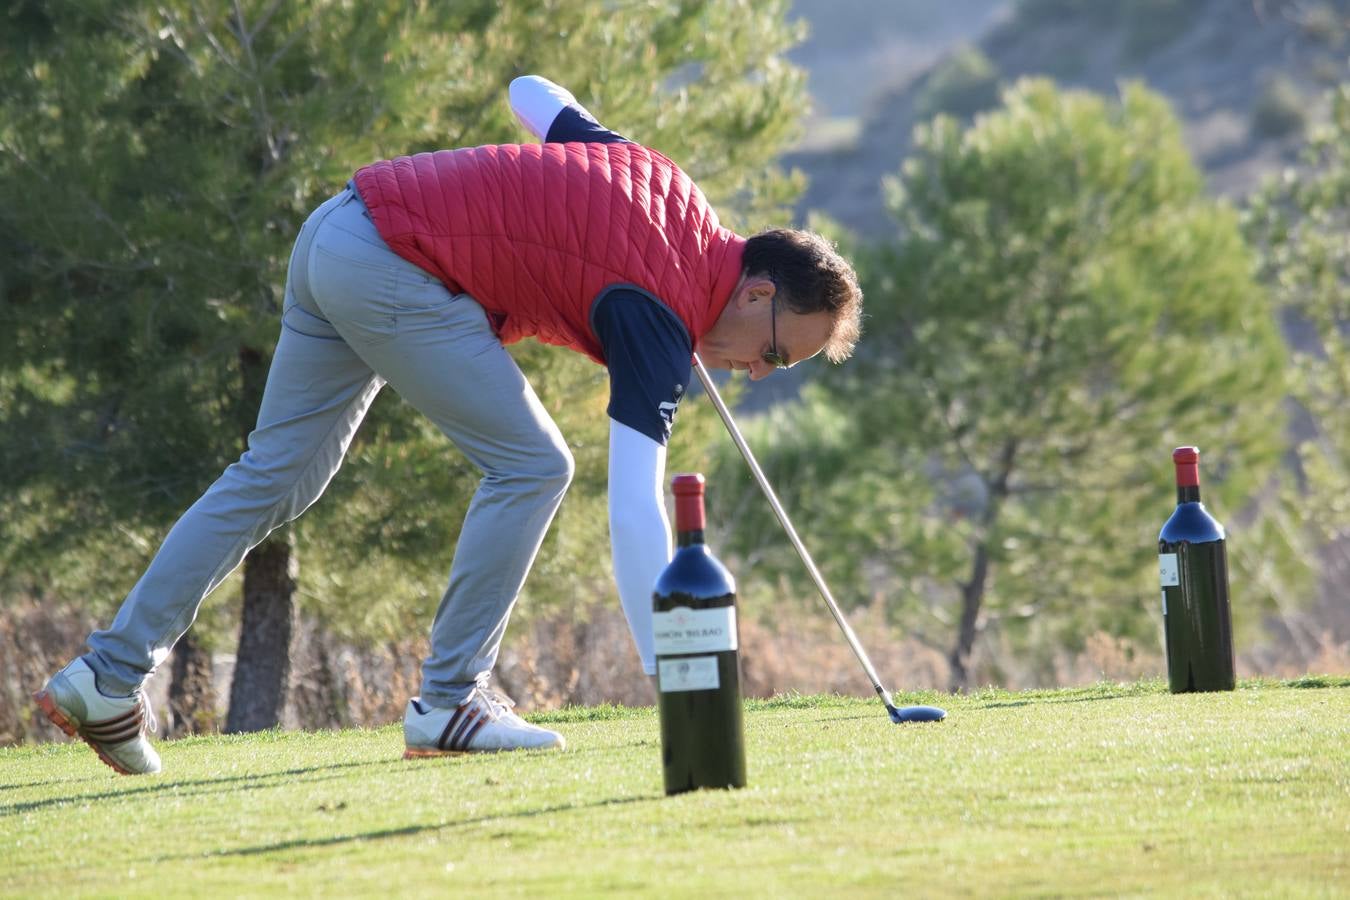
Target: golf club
{"x":908,"y":713}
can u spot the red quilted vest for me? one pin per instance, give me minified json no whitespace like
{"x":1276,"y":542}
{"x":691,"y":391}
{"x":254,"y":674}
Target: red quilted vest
{"x":536,"y":232}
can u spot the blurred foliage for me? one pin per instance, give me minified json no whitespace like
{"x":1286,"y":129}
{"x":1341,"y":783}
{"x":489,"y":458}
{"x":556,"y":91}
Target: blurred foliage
{"x":160,"y":157}
{"x":1279,"y":110}
{"x":962,"y":84}
{"x":1060,"y":306}
{"x":1326,"y":23}
{"x":1301,"y":223}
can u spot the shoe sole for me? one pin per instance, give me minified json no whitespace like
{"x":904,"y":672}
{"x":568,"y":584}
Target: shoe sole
{"x":430,"y":754}
{"x":410,"y":753}
{"x":47,"y":704}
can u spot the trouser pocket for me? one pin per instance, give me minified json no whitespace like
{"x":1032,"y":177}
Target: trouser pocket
{"x":359,"y":298}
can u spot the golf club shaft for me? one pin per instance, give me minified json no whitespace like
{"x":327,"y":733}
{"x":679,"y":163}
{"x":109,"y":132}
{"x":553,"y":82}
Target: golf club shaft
{"x":791,"y":532}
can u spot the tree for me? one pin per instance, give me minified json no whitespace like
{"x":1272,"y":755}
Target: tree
{"x":1060,"y":306}
{"x":1300,"y":223}
{"x":166,"y":153}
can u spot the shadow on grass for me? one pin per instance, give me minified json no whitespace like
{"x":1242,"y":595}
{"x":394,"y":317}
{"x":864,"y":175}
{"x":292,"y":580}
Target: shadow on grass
{"x":190,"y":787}
{"x":1037,"y":701}
{"x":610,"y":748}
{"x":853,"y":718}
{"x":409,"y":830}
{"x":48,"y":783}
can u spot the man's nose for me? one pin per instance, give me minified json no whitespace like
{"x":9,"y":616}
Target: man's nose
{"x":760,"y":369}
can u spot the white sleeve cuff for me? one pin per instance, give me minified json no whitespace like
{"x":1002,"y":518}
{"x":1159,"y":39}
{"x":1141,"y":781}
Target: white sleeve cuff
{"x":536,"y":102}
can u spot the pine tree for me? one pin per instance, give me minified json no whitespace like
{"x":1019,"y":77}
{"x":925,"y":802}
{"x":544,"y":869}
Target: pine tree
{"x":1060,"y":306}
{"x":1300,"y":224}
{"x":157,"y":160}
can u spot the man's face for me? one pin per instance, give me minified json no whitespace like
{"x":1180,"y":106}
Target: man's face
{"x":755,"y":332}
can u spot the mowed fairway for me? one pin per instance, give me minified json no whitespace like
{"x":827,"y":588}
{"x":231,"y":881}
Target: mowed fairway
{"x":1109,"y":790}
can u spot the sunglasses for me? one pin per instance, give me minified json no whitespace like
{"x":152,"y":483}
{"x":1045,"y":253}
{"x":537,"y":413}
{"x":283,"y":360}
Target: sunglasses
{"x":772,"y":356}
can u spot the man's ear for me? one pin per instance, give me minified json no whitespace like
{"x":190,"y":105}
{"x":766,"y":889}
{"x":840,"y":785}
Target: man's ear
{"x":757,"y":288}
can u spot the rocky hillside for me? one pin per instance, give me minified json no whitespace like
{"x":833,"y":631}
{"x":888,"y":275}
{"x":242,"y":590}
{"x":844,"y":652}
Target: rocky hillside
{"x":1245,"y":76}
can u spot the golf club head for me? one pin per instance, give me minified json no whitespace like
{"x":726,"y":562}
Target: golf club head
{"x":916,"y":714}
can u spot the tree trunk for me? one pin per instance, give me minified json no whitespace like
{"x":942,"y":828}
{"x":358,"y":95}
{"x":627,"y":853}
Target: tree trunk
{"x":972,"y":592}
{"x":263,"y":664}
{"x":192,"y":697}
{"x":317,"y":696}
{"x":972,"y":597}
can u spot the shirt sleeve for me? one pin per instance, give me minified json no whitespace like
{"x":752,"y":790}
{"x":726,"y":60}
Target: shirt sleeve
{"x":638,"y":528}
{"x":550,"y":113}
{"x":574,"y":123}
{"x":648,"y":353}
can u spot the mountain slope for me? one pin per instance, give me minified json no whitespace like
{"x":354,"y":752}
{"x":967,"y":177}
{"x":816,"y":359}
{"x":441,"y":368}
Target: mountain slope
{"x":1230,"y":69}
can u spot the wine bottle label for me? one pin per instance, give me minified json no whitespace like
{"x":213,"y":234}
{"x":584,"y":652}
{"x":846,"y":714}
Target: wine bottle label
{"x":685,"y":630}
{"x":693,"y":673}
{"x":1167,"y":570}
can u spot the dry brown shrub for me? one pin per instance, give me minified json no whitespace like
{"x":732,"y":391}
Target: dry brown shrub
{"x":585,"y":656}
{"x":804,"y":651}
{"x":1322,"y":655}
{"x":37,"y":637}
{"x":1106,"y":657}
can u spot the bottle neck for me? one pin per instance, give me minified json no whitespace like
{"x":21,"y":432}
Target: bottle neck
{"x":1187,"y":461}
{"x":689,"y":538}
{"x":688,"y":490}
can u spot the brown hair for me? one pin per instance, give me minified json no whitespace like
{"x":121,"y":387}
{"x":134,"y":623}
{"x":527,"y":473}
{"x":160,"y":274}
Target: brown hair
{"x":811,"y":277}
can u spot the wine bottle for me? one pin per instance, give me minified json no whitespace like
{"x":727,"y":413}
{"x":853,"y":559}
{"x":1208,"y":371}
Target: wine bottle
{"x":698,"y":679}
{"x":1193,"y":568}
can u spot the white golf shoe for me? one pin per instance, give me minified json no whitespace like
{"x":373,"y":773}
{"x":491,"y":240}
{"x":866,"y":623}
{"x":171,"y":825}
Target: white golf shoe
{"x":114,"y":726}
{"x":483,"y":723}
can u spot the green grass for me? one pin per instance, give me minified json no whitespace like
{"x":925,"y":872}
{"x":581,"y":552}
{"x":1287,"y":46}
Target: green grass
{"x":1111,"y":790}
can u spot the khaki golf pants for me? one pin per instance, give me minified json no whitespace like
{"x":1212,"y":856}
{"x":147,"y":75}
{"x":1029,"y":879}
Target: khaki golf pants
{"x":357,"y":316}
